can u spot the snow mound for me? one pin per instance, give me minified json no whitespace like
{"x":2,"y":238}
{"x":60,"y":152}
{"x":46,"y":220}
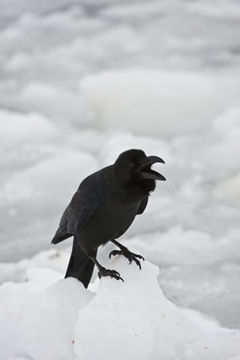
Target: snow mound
{"x":44,"y":318}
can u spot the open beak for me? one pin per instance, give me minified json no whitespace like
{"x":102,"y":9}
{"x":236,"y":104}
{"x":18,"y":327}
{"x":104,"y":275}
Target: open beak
{"x":145,"y":168}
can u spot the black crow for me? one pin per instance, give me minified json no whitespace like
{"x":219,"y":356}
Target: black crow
{"x":103,"y":208}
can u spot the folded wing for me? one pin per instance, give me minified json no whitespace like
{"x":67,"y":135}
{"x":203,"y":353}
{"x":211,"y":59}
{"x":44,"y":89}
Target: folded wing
{"x":82,"y":206}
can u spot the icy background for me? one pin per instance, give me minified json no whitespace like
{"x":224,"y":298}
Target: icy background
{"x":81,"y":81}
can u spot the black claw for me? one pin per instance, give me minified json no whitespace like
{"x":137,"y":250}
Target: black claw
{"x":129,"y":255}
{"x":116,"y":272}
{"x":139,"y":257}
{"x":112,"y":273}
{"x":137,"y":262}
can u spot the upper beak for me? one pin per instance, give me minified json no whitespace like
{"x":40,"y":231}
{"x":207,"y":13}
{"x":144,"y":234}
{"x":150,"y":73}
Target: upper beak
{"x":146,"y":171}
{"x":152,"y":160}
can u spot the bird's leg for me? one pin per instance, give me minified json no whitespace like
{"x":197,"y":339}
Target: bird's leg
{"x":128,"y":254}
{"x":106,"y":272}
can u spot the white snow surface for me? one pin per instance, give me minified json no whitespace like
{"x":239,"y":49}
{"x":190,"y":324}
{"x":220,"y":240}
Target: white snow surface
{"x":79,"y":83}
{"x":44,"y":317}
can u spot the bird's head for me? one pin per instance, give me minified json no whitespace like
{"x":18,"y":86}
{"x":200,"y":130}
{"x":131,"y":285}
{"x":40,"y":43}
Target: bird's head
{"x":133,"y":167}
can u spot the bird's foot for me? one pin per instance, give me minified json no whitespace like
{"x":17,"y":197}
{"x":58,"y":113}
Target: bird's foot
{"x":107,"y":272}
{"x":129,"y":255}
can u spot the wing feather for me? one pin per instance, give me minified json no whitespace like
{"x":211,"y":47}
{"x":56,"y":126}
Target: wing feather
{"x":142,"y":205}
{"x":82,"y":206}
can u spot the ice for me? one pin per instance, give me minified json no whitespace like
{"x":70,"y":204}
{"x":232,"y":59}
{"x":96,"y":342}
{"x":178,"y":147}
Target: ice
{"x":61,"y":104}
{"x":139,"y":319}
{"x":150,"y":101}
{"x":182,"y":247}
{"x":189,"y":229}
{"x":38,"y":322}
{"x":45,"y":318}
{"x":229,"y":190}
{"x":228,"y":125}
{"x":53,"y":337}
{"x":16,"y":129}
{"x":33,"y":185}
{"x":41,"y":184}
{"x":18,"y":358}
{"x":79,"y":83}
{"x":198,"y":268}
{"x":19,"y":272}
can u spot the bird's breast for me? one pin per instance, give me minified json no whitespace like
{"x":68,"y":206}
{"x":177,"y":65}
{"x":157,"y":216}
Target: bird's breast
{"x":109,"y":222}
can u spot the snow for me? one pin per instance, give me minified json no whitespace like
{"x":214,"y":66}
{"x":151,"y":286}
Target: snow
{"x":27,"y":127}
{"x":44,"y":317}
{"x":150,"y":102}
{"x":191,"y":225}
{"x":79,"y":83}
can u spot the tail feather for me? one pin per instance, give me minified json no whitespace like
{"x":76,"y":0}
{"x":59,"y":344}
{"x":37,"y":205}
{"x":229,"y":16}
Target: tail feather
{"x":62,"y":233}
{"x":80,"y":266}
{"x":58,"y":238}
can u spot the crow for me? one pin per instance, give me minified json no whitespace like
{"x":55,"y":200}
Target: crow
{"x":103,"y":208}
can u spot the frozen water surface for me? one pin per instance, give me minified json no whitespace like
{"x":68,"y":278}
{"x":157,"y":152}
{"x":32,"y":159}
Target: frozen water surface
{"x":81,"y":82}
